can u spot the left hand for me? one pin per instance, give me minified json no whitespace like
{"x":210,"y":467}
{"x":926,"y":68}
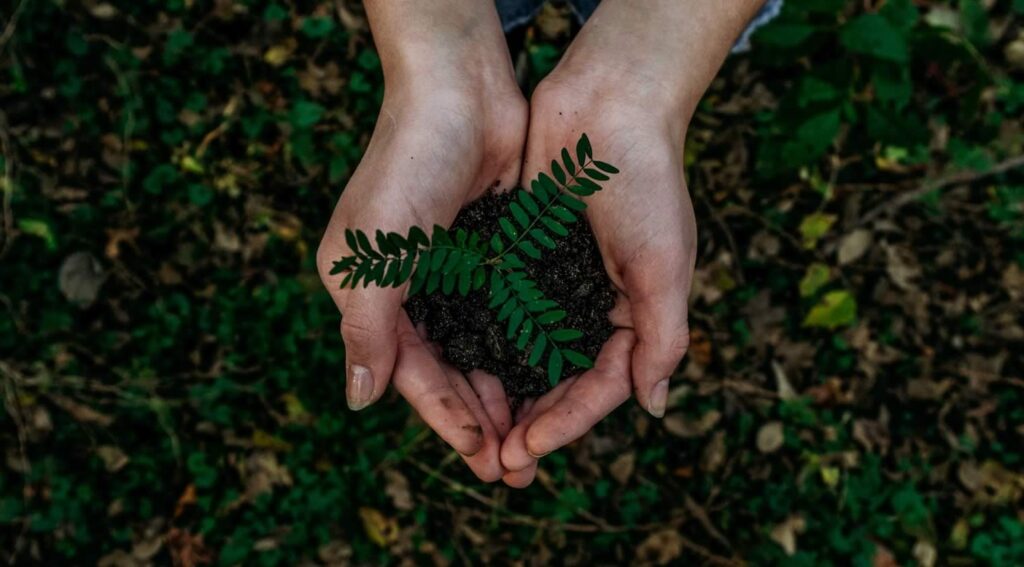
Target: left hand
{"x":647,"y":234}
{"x":631,"y":81}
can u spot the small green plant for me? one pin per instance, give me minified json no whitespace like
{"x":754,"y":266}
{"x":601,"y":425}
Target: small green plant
{"x":463,"y":261}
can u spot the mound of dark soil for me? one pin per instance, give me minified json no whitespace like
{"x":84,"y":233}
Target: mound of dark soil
{"x":469,"y":333}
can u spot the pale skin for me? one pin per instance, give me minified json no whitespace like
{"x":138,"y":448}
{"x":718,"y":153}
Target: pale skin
{"x":454,"y":123}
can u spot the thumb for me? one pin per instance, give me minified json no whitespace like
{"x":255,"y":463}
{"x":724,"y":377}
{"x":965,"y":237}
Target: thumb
{"x":369,"y":324}
{"x":369,"y":328}
{"x":659,"y":313}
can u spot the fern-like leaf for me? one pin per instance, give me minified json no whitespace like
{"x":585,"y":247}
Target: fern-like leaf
{"x":439,"y":261}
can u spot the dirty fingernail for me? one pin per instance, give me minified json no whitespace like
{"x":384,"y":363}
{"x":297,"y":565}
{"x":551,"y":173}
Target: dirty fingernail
{"x":659,"y":398}
{"x":360,"y":387}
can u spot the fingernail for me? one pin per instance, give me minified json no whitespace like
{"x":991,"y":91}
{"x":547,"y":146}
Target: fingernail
{"x":360,"y":387}
{"x":529,"y":452}
{"x":659,"y":398}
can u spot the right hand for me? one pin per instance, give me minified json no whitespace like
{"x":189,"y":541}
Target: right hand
{"x":452,"y":125}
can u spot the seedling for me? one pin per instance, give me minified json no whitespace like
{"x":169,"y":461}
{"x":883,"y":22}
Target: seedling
{"x":466,"y":260}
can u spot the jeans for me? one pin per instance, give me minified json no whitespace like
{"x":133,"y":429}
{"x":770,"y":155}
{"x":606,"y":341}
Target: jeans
{"x":515,"y":13}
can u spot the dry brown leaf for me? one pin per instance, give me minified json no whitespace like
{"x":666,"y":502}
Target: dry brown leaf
{"x":854,"y":245}
{"x":686,"y":427}
{"x":81,"y":412}
{"x":901,"y":267}
{"x":782,"y":385}
{"x":660,"y":548}
{"x":700,"y":347}
{"x":262,"y":472}
{"x":114,"y":459}
{"x":622,"y":467}
{"x":883,"y":557}
{"x":187,"y":550}
{"x":335,"y":554}
{"x":714,"y":454}
{"x":924,"y":389}
{"x":925,"y":553}
{"x":771,"y":437}
{"x":398,"y":489}
{"x":187,"y":498}
{"x":80,"y":278}
{"x":785,"y":533}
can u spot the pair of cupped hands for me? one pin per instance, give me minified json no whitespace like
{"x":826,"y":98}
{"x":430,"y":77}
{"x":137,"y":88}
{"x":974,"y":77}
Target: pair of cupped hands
{"x":449,"y":131}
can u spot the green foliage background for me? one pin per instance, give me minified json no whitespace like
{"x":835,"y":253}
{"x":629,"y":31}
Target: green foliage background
{"x":854,"y":392}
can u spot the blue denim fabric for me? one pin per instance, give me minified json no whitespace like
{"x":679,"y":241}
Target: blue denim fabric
{"x":515,"y":13}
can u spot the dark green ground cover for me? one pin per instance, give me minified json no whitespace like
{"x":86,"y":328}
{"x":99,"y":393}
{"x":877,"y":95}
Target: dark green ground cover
{"x":854,"y":393}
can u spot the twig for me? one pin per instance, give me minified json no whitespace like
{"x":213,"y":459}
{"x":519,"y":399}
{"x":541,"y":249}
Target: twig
{"x":955,"y":179}
{"x":12,"y":405}
{"x":728,"y":236}
{"x":7,"y":190}
{"x":12,"y":25}
{"x":507,"y":516}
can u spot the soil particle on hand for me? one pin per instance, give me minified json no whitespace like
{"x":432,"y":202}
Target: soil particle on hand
{"x":469,"y":333}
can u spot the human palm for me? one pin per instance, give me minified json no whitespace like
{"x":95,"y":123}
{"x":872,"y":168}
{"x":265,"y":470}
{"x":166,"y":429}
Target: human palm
{"x":645,"y":229}
{"x":431,"y":153}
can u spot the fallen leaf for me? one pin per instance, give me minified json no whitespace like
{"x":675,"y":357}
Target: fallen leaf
{"x":279,"y":54}
{"x":771,"y":437}
{"x":116,"y":237}
{"x":901,"y":267}
{"x":335,"y":553}
{"x":261,"y":472}
{"x":925,"y":553}
{"x":80,"y":278}
{"x":714,"y":454}
{"x":622,"y":467}
{"x":836,"y":309}
{"x":785,"y":533}
{"x":814,"y":226}
{"x":924,"y":389}
{"x":397,"y":488}
{"x":81,"y":412}
{"x":815,"y":278}
{"x":187,"y":550}
{"x":1014,"y":52}
{"x":263,"y":440}
{"x":782,"y":384}
{"x":883,"y":557}
{"x":103,"y":11}
{"x":114,"y":459}
{"x":381,"y":530}
{"x":700,"y":347}
{"x":854,"y":245}
{"x":660,"y":548}
{"x":688,"y":428}
{"x":187,"y":498}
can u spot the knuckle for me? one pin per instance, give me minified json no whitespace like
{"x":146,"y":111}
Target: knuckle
{"x":357,"y":327}
{"x":679,"y":343}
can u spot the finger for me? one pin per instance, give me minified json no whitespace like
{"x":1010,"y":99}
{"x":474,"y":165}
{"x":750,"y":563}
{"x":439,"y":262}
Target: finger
{"x":659,"y":313}
{"x":486,"y":463}
{"x":593,"y":396}
{"x":492,"y":395}
{"x":421,"y":380}
{"x":368,"y":328}
{"x":521,"y":479}
{"x":514,"y":456}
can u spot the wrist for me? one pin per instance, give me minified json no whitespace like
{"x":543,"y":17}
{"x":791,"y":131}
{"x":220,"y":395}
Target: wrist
{"x":662,"y":57}
{"x":442,"y":44}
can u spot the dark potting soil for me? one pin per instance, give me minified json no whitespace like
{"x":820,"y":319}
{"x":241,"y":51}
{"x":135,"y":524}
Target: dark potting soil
{"x":469,"y":333}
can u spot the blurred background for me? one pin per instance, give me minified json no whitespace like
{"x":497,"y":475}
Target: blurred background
{"x":172,"y":372}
